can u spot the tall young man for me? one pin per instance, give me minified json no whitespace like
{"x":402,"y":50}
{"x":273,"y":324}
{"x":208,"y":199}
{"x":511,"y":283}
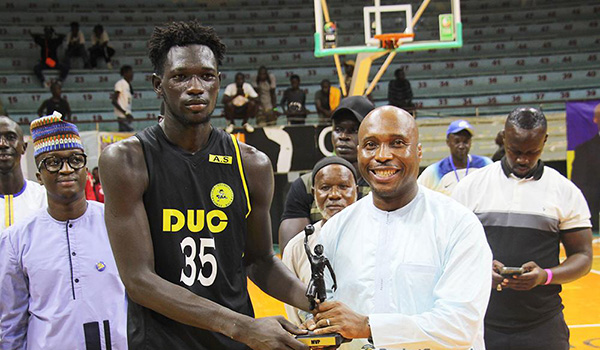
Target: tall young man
{"x":188,"y":214}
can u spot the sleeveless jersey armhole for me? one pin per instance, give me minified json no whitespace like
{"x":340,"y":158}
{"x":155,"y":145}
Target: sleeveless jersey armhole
{"x":243,"y":177}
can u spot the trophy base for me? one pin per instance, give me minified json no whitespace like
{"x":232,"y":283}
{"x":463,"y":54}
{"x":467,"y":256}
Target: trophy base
{"x":321,"y":340}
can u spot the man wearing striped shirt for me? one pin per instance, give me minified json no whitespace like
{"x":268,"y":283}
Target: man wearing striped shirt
{"x":18,"y":196}
{"x":527,"y":210}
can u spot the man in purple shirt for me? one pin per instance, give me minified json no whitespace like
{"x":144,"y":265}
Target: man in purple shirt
{"x":60,"y":286}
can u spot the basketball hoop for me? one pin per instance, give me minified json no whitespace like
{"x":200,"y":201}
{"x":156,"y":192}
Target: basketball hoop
{"x":392,"y":40}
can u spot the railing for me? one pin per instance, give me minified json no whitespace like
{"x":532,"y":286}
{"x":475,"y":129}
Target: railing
{"x":416,"y":112}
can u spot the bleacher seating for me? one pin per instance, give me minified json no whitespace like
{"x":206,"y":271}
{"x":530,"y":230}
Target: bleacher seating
{"x":515,"y":51}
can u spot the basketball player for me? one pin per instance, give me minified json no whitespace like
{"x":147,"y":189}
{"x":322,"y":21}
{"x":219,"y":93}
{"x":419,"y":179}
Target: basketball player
{"x":187,"y":211}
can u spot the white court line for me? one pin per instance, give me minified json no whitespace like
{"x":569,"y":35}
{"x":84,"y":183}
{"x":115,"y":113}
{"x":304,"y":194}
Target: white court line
{"x":595,"y":271}
{"x":585,"y":325}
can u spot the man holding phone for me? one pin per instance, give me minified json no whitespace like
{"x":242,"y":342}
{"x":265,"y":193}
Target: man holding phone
{"x":527,"y":209}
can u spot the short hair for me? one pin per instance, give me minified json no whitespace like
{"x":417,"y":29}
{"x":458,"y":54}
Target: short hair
{"x":55,"y":84}
{"x":325,"y":81}
{"x":125,"y":69}
{"x":18,"y":127}
{"x":99,"y":28}
{"x":294,"y":76}
{"x":239,"y":74}
{"x":182,"y":34}
{"x":527,"y":118}
{"x":74,"y":24}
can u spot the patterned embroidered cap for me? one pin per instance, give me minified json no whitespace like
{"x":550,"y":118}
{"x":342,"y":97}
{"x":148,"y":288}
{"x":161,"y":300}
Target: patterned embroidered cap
{"x":51,"y":133}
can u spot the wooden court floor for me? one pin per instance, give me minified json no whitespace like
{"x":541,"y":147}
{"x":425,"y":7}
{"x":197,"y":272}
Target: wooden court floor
{"x":581,"y":299}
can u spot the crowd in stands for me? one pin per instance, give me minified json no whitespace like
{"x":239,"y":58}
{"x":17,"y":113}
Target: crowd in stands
{"x":253,"y":100}
{"x":50,"y":41}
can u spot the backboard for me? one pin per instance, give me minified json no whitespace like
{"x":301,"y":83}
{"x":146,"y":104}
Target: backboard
{"x":344,"y":27}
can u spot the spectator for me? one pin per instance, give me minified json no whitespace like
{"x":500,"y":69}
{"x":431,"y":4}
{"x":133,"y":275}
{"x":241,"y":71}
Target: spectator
{"x":121,"y":99}
{"x":348,"y":73}
{"x":89,"y":187}
{"x":76,"y":46}
{"x":60,"y":285}
{"x":265,"y":85}
{"x":239,"y":99}
{"x":55,"y":103}
{"x":49,"y":43}
{"x":500,"y":151}
{"x":334,"y":189}
{"x":445,"y":174}
{"x":100,"y":48}
{"x":293,"y":102}
{"x":586,"y":167}
{"x":97,"y":185}
{"x":412,"y":266}
{"x":19,"y":197}
{"x":300,"y":208}
{"x":322,"y":102}
{"x":527,"y":209}
{"x":399,"y":91}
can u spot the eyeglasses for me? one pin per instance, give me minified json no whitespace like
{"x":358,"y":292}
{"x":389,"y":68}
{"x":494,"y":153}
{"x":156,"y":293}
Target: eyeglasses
{"x":54,"y":164}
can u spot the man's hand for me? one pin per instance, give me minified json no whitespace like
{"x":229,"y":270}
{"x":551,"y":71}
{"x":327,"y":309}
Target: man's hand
{"x":129,"y":116}
{"x":497,"y":279}
{"x":272,"y":333}
{"x":336,"y":317}
{"x":534,"y":276}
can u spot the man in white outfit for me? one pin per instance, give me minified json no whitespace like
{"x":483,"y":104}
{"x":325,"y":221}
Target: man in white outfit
{"x":412,"y":265}
{"x":18,"y":197}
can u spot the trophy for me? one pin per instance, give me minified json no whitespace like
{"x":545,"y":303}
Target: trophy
{"x":316,"y":292}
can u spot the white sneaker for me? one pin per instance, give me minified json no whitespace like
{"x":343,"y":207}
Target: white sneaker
{"x":249,"y":128}
{"x":229,"y":128}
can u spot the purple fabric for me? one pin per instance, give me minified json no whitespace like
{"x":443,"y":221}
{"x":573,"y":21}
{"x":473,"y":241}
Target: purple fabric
{"x":580,"y":122}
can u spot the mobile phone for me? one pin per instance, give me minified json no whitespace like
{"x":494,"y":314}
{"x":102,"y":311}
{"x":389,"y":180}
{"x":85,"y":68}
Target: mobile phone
{"x":511,"y":271}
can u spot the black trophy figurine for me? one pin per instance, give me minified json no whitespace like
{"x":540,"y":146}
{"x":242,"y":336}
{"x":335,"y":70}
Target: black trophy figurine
{"x":316,"y":287}
{"x":316,"y":292}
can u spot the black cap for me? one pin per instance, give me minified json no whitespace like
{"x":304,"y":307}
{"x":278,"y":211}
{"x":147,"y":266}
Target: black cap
{"x":332,"y":160}
{"x":359,"y":106}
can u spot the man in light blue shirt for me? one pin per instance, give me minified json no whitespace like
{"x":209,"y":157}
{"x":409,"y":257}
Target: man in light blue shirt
{"x":443,"y":176}
{"x":412,"y":265}
{"x":60,"y":286}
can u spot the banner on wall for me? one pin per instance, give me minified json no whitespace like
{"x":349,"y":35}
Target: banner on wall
{"x":106,"y":138}
{"x":583,"y":151}
{"x":292,"y":148}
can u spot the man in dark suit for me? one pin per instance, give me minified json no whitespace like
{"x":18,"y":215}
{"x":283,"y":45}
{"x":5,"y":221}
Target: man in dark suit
{"x":586,"y":168}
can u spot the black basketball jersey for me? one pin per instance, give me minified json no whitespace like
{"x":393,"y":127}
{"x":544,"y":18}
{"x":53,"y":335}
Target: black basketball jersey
{"x":197,"y":205}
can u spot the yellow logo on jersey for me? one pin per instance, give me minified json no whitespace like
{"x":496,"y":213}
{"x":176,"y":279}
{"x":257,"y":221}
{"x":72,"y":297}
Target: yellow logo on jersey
{"x":221,"y":195}
{"x":220,"y":159}
{"x":216,"y":220}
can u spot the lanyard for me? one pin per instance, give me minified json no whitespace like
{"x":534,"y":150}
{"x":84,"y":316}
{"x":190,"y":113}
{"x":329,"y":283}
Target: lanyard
{"x":454,"y":167}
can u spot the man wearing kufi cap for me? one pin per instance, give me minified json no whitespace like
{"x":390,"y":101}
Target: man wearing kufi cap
{"x":334,"y":188}
{"x":445,"y":174}
{"x":60,"y":285}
